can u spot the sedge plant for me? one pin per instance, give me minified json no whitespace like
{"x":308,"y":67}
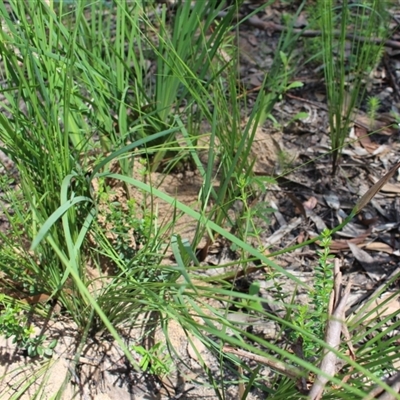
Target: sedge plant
{"x":346,"y":69}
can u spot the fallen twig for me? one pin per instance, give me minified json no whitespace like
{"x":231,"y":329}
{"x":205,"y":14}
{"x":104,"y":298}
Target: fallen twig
{"x":270,"y":26}
{"x":333,"y":331}
{"x":291,"y":372}
{"x":393,"y":382}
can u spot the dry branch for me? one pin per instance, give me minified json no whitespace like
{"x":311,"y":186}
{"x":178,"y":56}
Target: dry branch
{"x":333,"y":331}
{"x":393,"y":382}
{"x":291,"y":372}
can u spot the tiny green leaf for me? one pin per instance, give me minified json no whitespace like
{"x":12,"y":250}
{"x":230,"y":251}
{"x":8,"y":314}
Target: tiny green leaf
{"x":294,"y":85}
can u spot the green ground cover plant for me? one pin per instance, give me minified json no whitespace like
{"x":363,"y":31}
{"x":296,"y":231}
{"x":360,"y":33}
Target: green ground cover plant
{"x":81,"y":98}
{"x":313,"y":317}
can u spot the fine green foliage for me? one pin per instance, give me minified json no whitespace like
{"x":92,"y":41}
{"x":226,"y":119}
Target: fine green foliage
{"x":373,"y":104}
{"x":314,"y":316}
{"x":130,"y":232}
{"x":155,"y":360}
{"x":14,"y":324}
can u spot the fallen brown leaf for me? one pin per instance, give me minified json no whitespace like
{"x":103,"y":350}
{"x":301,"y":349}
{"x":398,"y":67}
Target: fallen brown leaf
{"x":387,"y":187}
{"x":365,"y":140}
{"x":374,"y":190}
{"x":311,"y":203}
{"x":379,"y":246}
{"x":367,"y":262}
{"x":301,"y":237}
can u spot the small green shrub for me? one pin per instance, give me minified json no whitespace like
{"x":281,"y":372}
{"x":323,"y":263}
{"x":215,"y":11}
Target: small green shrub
{"x":156,"y":360}
{"x":14,"y":324}
{"x":313,"y":317}
{"x":130,"y":231}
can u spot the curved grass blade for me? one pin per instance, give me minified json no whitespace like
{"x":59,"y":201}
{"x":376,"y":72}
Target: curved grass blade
{"x":44,"y":230}
{"x":177,"y":249}
{"x":125,"y":149}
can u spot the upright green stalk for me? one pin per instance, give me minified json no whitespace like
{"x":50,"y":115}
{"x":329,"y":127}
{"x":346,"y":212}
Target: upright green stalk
{"x":347,"y":68}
